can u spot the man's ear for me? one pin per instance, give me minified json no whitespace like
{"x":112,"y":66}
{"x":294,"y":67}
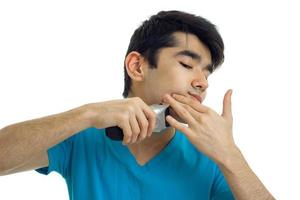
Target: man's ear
{"x":134,"y":66}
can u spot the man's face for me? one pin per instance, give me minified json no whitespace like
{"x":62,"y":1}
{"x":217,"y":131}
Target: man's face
{"x":182,"y":69}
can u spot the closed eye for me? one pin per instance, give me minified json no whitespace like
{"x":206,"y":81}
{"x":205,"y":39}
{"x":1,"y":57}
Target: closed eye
{"x":185,"y":65}
{"x":189,"y":67}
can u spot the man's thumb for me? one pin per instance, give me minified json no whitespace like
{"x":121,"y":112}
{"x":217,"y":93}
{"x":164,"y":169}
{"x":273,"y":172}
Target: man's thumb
{"x":227,"y":105}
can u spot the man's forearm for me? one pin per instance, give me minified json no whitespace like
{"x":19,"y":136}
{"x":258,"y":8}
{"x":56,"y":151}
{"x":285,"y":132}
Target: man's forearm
{"x":244,"y":184}
{"x":22,"y":141}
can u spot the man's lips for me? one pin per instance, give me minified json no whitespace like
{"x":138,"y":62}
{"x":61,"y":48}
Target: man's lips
{"x":197,"y":97}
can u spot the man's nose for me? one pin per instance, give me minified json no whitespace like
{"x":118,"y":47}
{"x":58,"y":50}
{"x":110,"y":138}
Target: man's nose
{"x":200,"y":82}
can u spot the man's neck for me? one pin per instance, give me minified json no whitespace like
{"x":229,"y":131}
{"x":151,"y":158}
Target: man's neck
{"x":149,"y":147}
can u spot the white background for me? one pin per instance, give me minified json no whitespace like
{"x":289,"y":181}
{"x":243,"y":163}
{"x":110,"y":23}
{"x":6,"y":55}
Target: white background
{"x":57,"y":55}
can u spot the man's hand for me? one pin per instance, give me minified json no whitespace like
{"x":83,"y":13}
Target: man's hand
{"x":211,"y":134}
{"x":132,"y":115}
{"x":208,"y":131}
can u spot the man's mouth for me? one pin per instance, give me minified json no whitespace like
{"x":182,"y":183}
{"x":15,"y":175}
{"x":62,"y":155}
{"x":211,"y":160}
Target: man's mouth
{"x":196,"y":97}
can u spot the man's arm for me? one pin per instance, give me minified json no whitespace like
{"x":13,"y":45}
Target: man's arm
{"x":242,"y":180}
{"x":23,"y":146}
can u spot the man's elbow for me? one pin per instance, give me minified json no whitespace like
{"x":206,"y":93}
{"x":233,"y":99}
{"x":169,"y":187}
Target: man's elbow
{"x":3,"y":170}
{"x":9,"y":169}
{"x":6,"y":166}
{"x":4,"y":173}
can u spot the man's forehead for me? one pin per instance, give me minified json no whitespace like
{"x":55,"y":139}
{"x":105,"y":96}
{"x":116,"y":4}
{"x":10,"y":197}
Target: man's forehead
{"x":187,"y":44}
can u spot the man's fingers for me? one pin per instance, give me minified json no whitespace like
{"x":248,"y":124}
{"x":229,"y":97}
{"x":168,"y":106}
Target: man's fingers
{"x":227,"y":112}
{"x":144,"y":124}
{"x":135,"y":128}
{"x":193,"y":103}
{"x":151,"y":117}
{"x":126,"y":127}
{"x":180,"y":110}
{"x":177,"y":125}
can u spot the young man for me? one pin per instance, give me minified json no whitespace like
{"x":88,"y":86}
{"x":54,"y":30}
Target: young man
{"x":171,"y":53}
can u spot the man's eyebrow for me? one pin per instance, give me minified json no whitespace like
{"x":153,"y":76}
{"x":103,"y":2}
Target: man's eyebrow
{"x":189,"y":53}
{"x":194,"y":56}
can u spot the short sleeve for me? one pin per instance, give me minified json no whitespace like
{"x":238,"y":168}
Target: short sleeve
{"x":59,"y":158}
{"x":220,"y":187}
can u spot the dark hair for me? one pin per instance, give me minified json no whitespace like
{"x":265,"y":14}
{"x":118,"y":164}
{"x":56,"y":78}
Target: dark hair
{"x":156,"y":33}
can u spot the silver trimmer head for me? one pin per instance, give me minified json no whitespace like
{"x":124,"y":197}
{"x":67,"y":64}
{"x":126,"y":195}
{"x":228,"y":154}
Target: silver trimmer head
{"x":161,"y":111}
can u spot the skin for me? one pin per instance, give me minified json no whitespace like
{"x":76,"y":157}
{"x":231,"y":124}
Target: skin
{"x":208,"y":131}
{"x":152,"y":84}
{"x":24,"y":145}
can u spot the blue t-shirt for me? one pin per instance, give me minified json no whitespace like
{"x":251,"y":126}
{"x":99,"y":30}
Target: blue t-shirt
{"x":96,"y":167}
